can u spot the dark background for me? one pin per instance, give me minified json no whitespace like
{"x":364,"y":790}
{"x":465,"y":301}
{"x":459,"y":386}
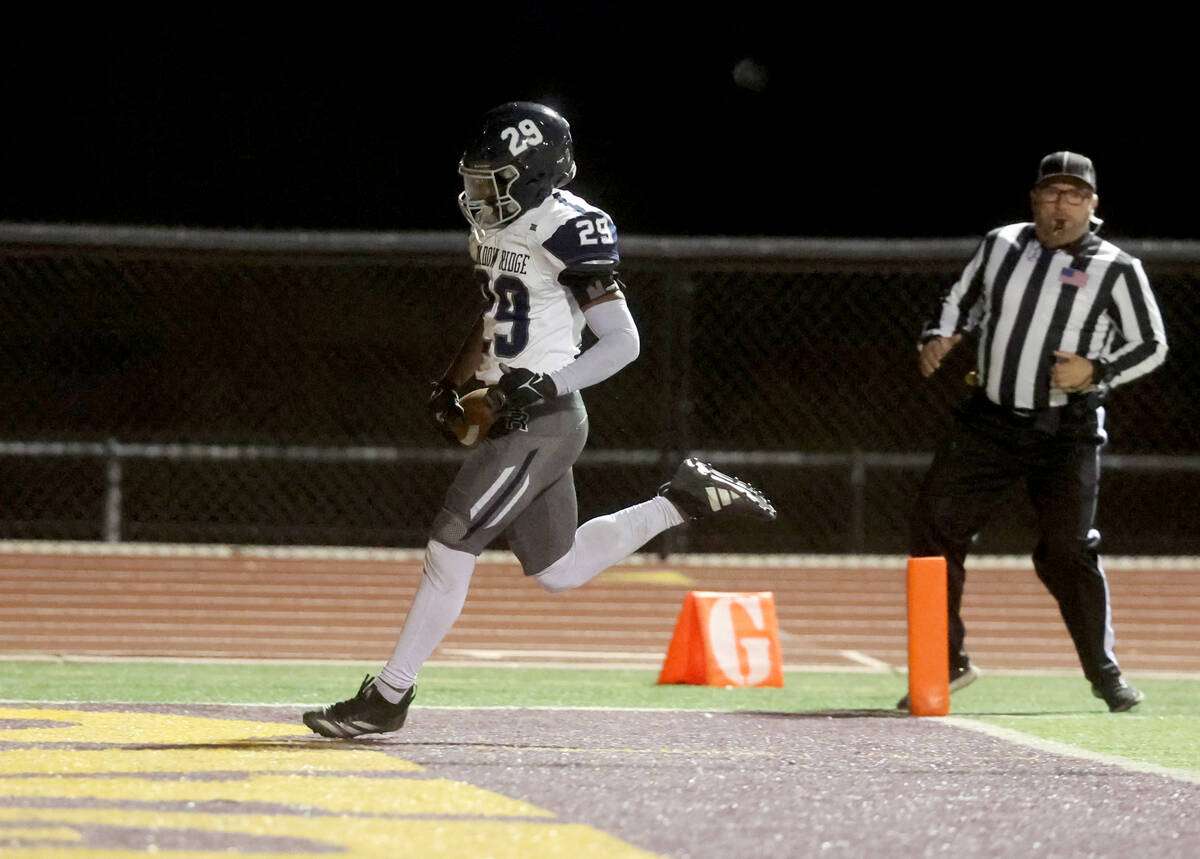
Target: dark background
{"x":722,"y":123}
{"x":759,"y":124}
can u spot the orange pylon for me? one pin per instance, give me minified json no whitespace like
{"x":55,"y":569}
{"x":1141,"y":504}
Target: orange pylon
{"x":928,"y":631}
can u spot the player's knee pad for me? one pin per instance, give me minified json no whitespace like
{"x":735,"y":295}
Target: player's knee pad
{"x":448,"y":527}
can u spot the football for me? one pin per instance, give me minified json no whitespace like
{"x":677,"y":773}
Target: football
{"x":477,"y":419}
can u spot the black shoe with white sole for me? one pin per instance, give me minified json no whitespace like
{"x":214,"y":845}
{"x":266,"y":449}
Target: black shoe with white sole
{"x":960,"y":678}
{"x":1119,"y":695}
{"x":368,"y":712}
{"x":699,"y":490}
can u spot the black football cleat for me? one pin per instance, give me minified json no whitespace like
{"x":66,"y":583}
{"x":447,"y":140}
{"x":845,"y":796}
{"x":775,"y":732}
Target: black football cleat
{"x":368,"y":712}
{"x":1119,"y":695}
{"x":960,"y":678}
{"x":699,"y":490}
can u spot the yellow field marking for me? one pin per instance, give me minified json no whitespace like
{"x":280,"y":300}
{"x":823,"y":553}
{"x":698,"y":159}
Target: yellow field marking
{"x":177,"y":744}
{"x":333,"y":794}
{"x":647,"y":577}
{"x":324,"y":794}
{"x":357,"y":836}
{"x":307,"y":759}
{"x":84,"y":726}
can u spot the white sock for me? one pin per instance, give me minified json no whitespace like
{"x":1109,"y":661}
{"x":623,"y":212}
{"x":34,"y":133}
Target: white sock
{"x":439,"y":600}
{"x":605,"y":540}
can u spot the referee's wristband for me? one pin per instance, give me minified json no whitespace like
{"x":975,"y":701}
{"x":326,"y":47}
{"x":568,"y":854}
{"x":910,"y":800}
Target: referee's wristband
{"x":1102,"y":371}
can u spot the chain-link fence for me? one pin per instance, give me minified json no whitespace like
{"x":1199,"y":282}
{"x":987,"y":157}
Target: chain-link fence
{"x":162,"y":385}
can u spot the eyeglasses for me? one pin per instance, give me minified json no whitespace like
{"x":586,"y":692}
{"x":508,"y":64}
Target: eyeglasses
{"x":1075,"y":196}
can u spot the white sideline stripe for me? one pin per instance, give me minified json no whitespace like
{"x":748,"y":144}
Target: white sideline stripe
{"x":650,"y":663}
{"x":350,"y":553}
{"x":1050,"y":746}
{"x":563,"y":659}
{"x":477,"y":653}
{"x":1058,"y":748}
{"x":1016,"y":737}
{"x":868,"y":661}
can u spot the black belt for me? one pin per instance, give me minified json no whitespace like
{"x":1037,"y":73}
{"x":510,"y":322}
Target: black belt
{"x":1078,"y":408}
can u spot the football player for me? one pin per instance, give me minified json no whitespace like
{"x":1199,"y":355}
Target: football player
{"x":547,"y":262}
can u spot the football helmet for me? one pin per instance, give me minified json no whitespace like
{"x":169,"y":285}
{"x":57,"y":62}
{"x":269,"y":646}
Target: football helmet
{"x":520,"y":154}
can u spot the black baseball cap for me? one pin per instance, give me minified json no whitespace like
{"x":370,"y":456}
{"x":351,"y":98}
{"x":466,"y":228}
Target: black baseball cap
{"x":1067,"y":164}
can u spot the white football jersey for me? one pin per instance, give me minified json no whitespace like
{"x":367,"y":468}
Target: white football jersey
{"x":534,"y":321}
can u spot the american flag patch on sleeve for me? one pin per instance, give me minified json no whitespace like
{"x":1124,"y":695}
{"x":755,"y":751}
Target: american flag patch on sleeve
{"x":1073,"y":277}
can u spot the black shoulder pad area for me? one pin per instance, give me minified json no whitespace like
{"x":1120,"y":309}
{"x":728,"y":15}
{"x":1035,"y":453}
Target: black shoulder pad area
{"x":588,"y":286}
{"x":589,"y":238}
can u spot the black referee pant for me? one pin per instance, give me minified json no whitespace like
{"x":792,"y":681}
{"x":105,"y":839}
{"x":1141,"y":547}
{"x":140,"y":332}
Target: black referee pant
{"x":1056,"y":452}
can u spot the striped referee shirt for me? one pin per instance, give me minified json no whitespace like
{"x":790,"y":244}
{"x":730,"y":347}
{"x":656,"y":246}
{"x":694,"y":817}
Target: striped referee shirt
{"x":1021,"y":301}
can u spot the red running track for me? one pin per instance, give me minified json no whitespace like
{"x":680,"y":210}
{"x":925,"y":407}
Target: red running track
{"x":223,"y":602}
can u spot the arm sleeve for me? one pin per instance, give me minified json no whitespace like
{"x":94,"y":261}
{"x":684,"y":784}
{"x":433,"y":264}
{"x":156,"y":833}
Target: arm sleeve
{"x":960,"y":308}
{"x":617,"y":344}
{"x":1140,"y":323}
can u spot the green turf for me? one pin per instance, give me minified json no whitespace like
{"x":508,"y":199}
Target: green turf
{"x":1165,"y":730}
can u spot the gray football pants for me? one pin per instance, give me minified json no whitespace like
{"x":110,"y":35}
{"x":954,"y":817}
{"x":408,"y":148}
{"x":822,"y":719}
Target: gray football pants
{"x":520,"y":485}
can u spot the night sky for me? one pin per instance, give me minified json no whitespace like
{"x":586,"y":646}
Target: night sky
{"x":760,"y":127}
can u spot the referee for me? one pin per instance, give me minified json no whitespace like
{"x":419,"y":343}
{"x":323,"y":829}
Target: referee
{"x":1059,"y":316}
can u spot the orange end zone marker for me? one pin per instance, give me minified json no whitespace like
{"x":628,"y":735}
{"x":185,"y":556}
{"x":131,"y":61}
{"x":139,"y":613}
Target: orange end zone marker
{"x":725,"y":639}
{"x":928,"y":631}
